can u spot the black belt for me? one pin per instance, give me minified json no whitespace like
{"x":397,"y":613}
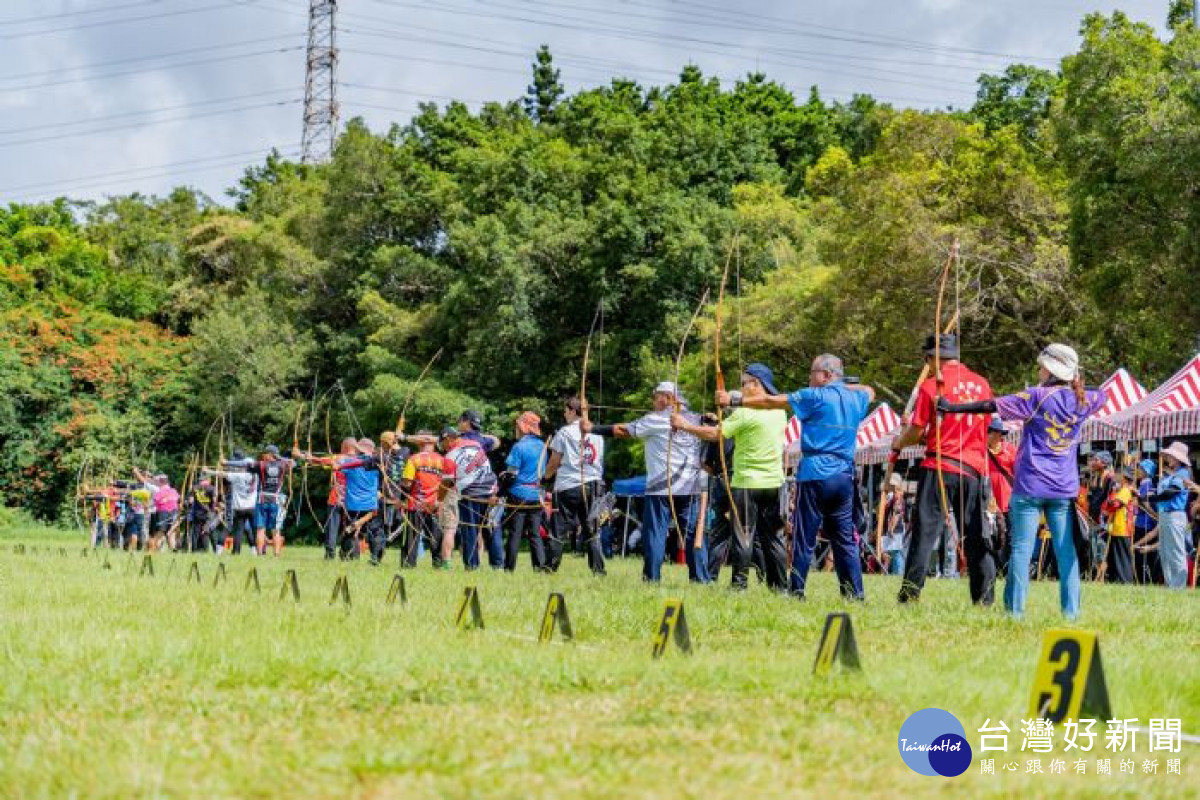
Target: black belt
{"x":967,"y":469}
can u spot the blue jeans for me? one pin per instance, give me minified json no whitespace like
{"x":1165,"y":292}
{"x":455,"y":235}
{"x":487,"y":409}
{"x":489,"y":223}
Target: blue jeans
{"x":473,"y":519}
{"x":655,"y":525}
{"x":826,"y":505}
{"x":896,"y":565}
{"x":1026,"y":513}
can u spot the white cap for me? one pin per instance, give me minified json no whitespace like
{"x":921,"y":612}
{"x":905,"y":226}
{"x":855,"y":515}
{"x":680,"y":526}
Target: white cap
{"x":668,"y":387}
{"x":1060,"y":361}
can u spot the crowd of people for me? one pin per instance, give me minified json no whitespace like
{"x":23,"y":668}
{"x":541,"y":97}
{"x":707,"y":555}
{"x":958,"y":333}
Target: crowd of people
{"x":717,"y":492}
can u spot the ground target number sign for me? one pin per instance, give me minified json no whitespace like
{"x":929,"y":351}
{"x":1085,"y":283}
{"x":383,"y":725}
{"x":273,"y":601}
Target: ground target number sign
{"x":672,"y":625}
{"x":1069,"y":680}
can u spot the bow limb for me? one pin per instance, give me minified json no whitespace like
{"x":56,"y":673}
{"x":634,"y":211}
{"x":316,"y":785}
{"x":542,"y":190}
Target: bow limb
{"x":939,"y":384}
{"x":413,"y":391}
{"x":583,"y":407}
{"x":738,"y":530}
{"x":676,"y":407}
{"x":881,"y":510}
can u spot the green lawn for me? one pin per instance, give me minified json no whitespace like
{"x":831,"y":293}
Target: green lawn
{"x":119,"y":685}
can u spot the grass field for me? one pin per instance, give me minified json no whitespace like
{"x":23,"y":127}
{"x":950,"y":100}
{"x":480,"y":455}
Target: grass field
{"x":117,"y":685}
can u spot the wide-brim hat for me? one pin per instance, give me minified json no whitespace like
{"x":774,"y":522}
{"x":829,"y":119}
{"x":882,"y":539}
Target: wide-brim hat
{"x":945,"y":345}
{"x":1060,"y":361}
{"x":1177,"y":451}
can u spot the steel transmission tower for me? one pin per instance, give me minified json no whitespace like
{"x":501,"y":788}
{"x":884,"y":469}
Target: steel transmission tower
{"x":320,"y":97}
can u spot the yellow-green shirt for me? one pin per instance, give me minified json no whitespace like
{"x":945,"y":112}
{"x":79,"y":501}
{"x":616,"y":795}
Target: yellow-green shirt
{"x":758,"y":447}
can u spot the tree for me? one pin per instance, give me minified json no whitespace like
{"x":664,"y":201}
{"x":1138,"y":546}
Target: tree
{"x":543,"y":94}
{"x":1128,"y":133}
{"x":1020,"y":96}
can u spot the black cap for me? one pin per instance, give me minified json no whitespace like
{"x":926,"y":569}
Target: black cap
{"x":450,"y":432}
{"x":946,"y":345}
{"x":473,"y":418}
{"x":238,"y":455}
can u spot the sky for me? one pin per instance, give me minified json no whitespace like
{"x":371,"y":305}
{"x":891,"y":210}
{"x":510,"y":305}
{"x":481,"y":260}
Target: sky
{"x":108,"y":97}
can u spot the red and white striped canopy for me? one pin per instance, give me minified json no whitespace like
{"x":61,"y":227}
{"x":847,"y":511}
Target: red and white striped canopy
{"x":792,"y":432}
{"x":1111,"y":421}
{"x":1172,"y":409}
{"x":880,"y":424}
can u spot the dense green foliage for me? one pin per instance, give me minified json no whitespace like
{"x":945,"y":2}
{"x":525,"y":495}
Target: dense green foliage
{"x":495,"y":235}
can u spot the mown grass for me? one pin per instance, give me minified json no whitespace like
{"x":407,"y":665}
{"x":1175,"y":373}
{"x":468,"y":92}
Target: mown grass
{"x":117,"y":685}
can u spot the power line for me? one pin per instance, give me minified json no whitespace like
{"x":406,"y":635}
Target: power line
{"x":121,"y":21}
{"x":116,"y":62}
{"x":883,"y":39}
{"x":195,"y":62}
{"x":292,"y":153}
{"x":171,"y":164}
{"x":81,"y":12}
{"x":143,"y":124}
{"x":142,"y":112}
{"x":567,"y":23}
{"x":394,"y":90}
{"x":800,"y":61}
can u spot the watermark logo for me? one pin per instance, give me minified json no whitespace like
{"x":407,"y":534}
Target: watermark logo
{"x":933,"y":742}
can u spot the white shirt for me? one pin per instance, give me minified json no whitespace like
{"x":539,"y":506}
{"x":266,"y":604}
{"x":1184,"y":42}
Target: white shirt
{"x":566,"y":444}
{"x":243,"y":489}
{"x":655,"y":430}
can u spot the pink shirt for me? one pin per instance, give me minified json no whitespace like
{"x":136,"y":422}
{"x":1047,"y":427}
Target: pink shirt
{"x":166,"y":499}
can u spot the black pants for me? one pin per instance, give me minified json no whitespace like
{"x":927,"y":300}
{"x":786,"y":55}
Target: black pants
{"x":1120,"y":559}
{"x":572,"y":507}
{"x":759,"y":513}
{"x":242,"y":522}
{"x":965,"y":499}
{"x":204,"y":529}
{"x":421,"y":525}
{"x":1003,"y":541}
{"x":521,"y":523}
{"x":1081,"y":534}
{"x":721,"y":539}
{"x":333,"y":531}
{"x":371,"y":531}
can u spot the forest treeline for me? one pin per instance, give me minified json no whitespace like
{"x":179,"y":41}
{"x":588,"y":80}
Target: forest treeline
{"x":315,"y":294}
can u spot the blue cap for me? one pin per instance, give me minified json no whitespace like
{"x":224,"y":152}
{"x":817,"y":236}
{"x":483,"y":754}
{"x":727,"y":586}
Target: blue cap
{"x":762,"y":373}
{"x":1148,"y":466}
{"x":996,"y":426}
{"x":1104,"y":456}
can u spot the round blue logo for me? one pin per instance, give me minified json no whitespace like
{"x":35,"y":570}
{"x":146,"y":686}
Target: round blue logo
{"x":933,"y":742}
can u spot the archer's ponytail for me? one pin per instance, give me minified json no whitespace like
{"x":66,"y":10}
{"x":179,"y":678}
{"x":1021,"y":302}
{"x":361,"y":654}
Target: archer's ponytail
{"x":1080,"y":392}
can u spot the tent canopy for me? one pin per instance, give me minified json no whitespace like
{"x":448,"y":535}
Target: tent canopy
{"x":1110,"y":422}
